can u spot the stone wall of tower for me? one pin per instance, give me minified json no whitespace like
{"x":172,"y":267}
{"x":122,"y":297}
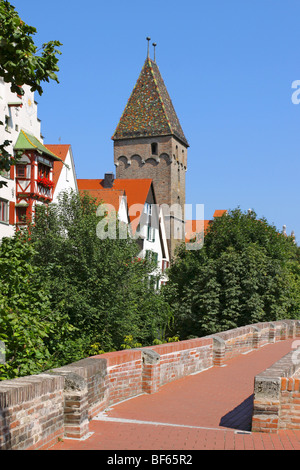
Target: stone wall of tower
{"x":134,"y":159}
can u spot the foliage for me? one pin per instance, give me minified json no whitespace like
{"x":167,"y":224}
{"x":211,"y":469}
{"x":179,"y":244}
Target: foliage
{"x":99,"y":284}
{"x":129,"y":343}
{"x":246,"y":272}
{"x":27,"y":321}
{"x":21,"y":63}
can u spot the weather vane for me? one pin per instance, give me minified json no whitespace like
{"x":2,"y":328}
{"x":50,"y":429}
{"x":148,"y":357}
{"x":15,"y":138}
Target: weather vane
{"x":148,"y":39}
{"x":154,"y":45}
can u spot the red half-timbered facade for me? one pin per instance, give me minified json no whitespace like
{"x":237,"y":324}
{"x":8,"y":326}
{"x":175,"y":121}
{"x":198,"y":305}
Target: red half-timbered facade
{"x":33,"y":176}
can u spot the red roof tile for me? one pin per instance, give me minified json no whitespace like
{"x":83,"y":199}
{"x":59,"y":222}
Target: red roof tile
{"x":136,"y":191}
{"x":107,"y":196}
{"x":219,"y":213}
{"x":60,"y":151}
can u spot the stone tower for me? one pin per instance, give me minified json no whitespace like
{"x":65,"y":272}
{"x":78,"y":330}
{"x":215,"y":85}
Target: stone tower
{"x":149,"y":143}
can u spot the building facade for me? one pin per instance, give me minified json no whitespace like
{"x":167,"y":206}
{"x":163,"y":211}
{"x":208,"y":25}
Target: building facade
{"x":17,"y":112}
{"x":40,"y":173}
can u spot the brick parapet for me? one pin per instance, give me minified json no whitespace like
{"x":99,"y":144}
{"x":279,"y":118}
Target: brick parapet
{"x":276,"y":403}
{"x":36,"y":411}
{"x":31,"y":412}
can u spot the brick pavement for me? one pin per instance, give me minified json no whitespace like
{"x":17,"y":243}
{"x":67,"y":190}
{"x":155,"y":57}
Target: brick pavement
{"x":208,"y":411}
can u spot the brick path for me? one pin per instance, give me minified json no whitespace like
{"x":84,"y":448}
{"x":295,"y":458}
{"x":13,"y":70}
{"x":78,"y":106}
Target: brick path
{"x":208,"y":411}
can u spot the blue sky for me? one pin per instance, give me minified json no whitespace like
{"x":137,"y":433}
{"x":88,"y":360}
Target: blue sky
{"x":229,"y":68}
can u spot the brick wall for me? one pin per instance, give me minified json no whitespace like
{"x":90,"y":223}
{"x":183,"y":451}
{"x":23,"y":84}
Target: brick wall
{"x":36,"y":411}
{"x":277,"y":394}
{"x":31,"y":412}
{"x":167,"y":169}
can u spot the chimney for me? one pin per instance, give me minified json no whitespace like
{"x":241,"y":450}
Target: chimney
{"x":108,"y":181}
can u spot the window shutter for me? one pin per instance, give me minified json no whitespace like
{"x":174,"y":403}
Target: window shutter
{"x":11,"y":213}
{"x":12,"y":172}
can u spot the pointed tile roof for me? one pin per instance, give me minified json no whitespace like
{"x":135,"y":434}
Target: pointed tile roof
{"x":149,"y":111}
{"x":27,"y":141}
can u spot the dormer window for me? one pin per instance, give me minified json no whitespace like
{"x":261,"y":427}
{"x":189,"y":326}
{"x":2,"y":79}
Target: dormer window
{"x":154,"y":148}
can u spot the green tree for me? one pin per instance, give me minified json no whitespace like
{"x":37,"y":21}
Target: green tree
{"x":99,"y":284}
{"x":28,"y":325}
{"x":246,"y":272}
{"x":21,"y":62}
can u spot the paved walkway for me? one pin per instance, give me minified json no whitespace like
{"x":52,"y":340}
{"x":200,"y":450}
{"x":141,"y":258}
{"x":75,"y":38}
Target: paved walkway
{"x":207,"y":411}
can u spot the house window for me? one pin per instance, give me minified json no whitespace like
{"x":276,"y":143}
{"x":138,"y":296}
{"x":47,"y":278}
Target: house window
{"x":44,"y":171}
{"x":21,"y":215}
{"x":151,"y":256}
{"x":154,"y":148}
{"x":21,"y":171}
{"x":165,"y":265}
{"x":3,"y":211}
{"x":154,"y":282}
{"x":148,"y":209}
{"x":8,"y":122}
{"x":150,"y":234}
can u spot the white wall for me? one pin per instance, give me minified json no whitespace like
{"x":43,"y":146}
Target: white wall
{"x":156,"y":245}
{"x":67,"y":179}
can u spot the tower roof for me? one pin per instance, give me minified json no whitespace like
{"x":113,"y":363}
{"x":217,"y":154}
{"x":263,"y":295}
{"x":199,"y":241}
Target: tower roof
{"x":149,"y":111}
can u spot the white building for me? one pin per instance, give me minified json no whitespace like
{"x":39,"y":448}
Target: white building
{"x":40,"y":173}
{"x":64,"y":174}
{"x":16,"y":112}
{"x":145,"y":217}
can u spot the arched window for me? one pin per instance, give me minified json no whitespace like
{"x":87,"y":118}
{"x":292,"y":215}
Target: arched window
{"x":154,"y":148}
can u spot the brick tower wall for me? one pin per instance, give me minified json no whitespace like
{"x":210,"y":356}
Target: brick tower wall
{"x":167,"y":167}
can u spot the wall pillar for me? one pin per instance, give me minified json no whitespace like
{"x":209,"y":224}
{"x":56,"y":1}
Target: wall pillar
{"x":218,"y":351}
{"x":256,"y":337}
{"x":76,"y":406}
{"x":266,"y":408}
{"x":151,"y":371}
{"x":272,"y":333}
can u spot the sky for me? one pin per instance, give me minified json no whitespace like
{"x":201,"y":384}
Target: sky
{"x":229,"y":67}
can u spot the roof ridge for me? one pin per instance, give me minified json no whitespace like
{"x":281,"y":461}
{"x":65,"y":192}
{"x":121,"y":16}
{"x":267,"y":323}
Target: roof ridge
{"x":135,"y":85}
{"x":160,"y":97}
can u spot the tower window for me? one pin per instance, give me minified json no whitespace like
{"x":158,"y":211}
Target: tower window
{"x":154,"y":148}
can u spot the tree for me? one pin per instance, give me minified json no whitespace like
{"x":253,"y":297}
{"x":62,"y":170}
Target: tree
{"x":21,"y":63}
{"x":246,"y":272}
{"x":28,"y":324}
{"x":101,"y":285}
